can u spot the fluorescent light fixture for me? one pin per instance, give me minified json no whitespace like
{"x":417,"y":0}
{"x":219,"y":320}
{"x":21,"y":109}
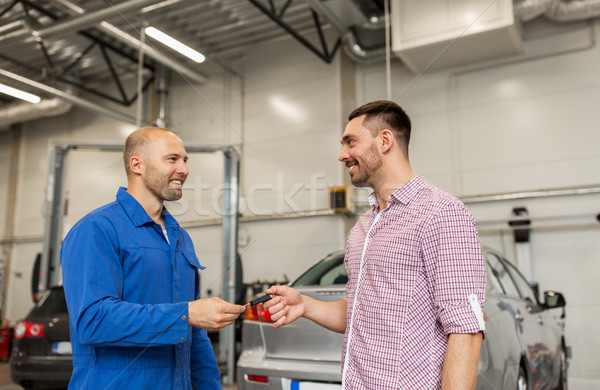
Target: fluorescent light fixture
{"x":175,"y":44}
{"x":19,"y":94}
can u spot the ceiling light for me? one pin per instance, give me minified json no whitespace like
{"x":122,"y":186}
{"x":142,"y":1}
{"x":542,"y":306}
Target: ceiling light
{"x":19,"y":94}
{"x":175,"y":44}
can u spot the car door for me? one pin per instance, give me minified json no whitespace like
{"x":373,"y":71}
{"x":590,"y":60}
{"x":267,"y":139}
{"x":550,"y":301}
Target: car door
{"x":525,"y":313}
{"x":547,"y":351}
{"x":501,"y":349}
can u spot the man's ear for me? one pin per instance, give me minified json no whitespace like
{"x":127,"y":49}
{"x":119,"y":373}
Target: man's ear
{"x":136,"y":165}
{"x":387,"y":140}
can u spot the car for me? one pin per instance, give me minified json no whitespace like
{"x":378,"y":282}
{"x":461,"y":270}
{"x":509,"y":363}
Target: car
{"x":524,"y":347}
{"x":41,"y":357}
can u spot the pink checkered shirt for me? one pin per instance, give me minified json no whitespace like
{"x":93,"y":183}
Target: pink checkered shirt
{"x":416,"y":275}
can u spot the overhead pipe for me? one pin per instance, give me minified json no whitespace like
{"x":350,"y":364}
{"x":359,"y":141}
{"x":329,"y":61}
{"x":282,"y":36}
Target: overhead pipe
{"x":359,"y":53}
{"x":70,"y":98}
{"x":81,"y":22}
{"x":528,"y":10}
{"x":91,"y":20}
{"x":23,"y":112}
{"x":351,"y":45}
{"x":558,"y":10}
{"x":162,"y":90}
{"x":135,"y":43}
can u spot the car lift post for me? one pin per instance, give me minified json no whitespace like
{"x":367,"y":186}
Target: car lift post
{"x":55,"y":202}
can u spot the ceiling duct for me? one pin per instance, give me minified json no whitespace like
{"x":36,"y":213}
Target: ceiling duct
{"x":558,"y":10}
{"x":330,"y":11}
{"x":69,"y":97}
{"x":95,"y":19}
{"x":23,"y":112}
{"x":80,"y":22}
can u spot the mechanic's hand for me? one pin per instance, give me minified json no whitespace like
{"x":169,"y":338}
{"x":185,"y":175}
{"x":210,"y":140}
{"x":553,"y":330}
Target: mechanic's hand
{"x":213,"y":313}
{"x":286,"y":306}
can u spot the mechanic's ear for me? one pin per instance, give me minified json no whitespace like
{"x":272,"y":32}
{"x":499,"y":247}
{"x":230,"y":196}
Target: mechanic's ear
{"x":136,"y":165}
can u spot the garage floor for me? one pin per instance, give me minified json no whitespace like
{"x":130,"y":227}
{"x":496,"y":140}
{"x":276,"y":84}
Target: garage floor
{"x":7,"y":384}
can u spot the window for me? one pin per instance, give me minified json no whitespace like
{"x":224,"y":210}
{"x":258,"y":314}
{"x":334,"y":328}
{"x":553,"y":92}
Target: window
{"x":329,"y":271}
{"x":522,"y":284}
{"x":52,"y":302}
{"x":499,"y":271}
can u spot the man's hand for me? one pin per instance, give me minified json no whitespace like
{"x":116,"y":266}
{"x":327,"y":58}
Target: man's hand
{"x":213,"y":313}
{"x":286,"y":306}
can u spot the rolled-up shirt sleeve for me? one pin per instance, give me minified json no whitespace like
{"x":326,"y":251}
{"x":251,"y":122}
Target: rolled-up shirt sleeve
{"x":456,"y":269}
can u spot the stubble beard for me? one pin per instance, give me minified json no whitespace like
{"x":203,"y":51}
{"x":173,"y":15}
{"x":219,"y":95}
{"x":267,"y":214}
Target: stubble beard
{"x":158,"y":185}
{"x":368,"y":168}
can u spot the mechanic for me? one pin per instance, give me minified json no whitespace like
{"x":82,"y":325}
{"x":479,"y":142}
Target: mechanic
{"x":413,"y":314}
{"x":130,"y":275}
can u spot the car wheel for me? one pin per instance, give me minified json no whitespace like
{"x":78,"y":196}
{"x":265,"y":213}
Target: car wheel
{"x":522,"y":380}
{"x":563,"y":382}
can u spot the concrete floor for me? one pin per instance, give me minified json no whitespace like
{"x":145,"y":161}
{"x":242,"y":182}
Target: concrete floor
{"x":7,"y":384}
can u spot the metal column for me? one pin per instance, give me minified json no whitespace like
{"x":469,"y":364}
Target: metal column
{"x":54,"y":214}
{"x":230,"y":228}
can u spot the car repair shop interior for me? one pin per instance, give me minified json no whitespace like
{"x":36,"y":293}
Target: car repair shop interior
{"x":503,"y":97}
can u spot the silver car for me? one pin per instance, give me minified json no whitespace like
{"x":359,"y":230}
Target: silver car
{"x":524,"y":348}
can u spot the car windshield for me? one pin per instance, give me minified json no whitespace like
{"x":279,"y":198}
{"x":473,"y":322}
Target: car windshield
{"x":327,"y":272}
{"x":52,"y":302}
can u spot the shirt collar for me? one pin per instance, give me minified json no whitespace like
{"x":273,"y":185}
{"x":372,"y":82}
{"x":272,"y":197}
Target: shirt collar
{"x":136,"y":212}
{"x":404,"y":194}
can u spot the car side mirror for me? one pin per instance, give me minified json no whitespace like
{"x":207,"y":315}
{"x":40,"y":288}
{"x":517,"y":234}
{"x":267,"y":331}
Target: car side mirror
{"x":553,"y":299}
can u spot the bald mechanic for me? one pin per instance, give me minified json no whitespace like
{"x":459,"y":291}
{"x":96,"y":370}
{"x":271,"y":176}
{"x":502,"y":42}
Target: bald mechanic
{"x":131,"y":280}
{"x":412,"y":316}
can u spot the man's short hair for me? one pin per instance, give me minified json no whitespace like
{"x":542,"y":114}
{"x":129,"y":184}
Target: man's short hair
{"x":385,"y":114}
{"x":137,"y":142}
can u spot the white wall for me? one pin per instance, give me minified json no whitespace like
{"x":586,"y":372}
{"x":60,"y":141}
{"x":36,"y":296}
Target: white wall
{"x":521,"y":124}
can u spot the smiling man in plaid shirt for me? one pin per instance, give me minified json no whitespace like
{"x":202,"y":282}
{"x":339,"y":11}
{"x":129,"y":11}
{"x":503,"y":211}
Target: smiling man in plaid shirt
{"x":413,"y":314}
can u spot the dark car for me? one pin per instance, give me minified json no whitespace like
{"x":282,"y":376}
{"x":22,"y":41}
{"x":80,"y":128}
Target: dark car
{"x":525,"y":345}
{"x":41,"y":356}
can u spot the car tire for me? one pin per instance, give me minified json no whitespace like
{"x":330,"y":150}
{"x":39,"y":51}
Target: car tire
{"x":522,"y":379}
{"x":563,"y":380}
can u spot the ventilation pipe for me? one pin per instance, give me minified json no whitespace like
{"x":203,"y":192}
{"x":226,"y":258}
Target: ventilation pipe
{"x":81,"y":22}
{"x":69,"y":97}
{"x":558,"y":10}
{"x":86,"y":20}
{"x":359,"y":53}
{"x":351,"y":45}
{"x":23,"y":112}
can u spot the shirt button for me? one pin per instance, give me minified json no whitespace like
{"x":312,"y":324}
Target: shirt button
{"x":181,"y":339}
{"x":173,"y":228}
{"x":183,"y":318}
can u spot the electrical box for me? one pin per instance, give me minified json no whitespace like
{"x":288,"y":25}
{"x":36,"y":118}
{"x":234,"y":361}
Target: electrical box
{"x":338,"y":200}
{"x":437,"y":34}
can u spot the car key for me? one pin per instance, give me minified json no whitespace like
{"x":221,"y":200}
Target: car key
{"x":258,"y":300}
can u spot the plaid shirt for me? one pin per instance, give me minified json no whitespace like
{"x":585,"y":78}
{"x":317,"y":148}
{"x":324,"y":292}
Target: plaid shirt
{"x":416,"y":275}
